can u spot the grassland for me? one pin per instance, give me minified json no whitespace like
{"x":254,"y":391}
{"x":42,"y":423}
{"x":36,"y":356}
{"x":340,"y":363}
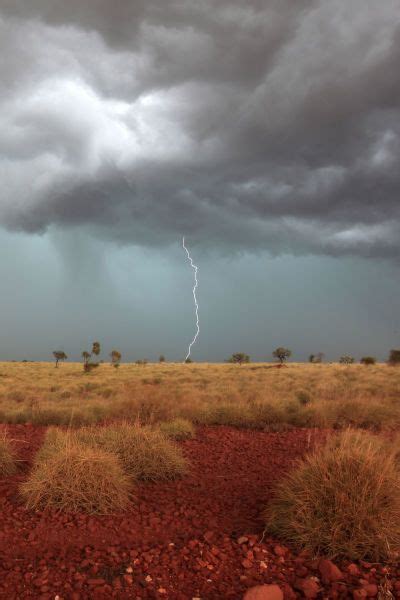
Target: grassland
{"x":252,"y":396}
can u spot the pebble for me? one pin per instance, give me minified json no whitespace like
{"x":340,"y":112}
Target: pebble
{"x":329,"y":571}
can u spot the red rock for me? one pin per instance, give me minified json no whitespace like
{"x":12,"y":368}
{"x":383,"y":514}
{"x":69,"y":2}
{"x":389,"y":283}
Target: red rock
{"x":280,"y":550}
{"x":247,"y":564}
{"x":264,"y":592}
{"x":329,"y":571}
{"x":288,"y":592}
{"x":359,"y":594}
{"x":309,"y":587}
{"x":353,"y":570}
{"x":242,"y":540}
{"x":371,"y":589}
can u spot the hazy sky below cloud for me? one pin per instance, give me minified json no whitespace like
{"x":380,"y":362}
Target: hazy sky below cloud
{"x":267,"y":133}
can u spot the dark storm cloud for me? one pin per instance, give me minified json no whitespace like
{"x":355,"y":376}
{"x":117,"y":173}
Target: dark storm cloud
{"x":258,"y":125}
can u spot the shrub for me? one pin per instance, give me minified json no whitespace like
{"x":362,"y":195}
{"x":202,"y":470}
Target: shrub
{"x":74,"y":477}
{"x":346,"y":360}
{"x":394,"y":357}
{"x":368,"y":360}
{"x":144,"y":453}
{"x":341,"y":500}
{"x":282,"y":354}
{"x":142,"y":361}
{"x":358,"y":413}
{"x":239,"y":358}
{"x":178,"y":429}
{"x":234,"y":415}
{"x":7,"y":456}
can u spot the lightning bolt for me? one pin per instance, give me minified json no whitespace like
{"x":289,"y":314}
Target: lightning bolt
{"x":195,"y":268}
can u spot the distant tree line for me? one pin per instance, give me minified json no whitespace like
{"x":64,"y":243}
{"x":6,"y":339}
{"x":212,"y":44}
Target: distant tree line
{"x":281,"y":354}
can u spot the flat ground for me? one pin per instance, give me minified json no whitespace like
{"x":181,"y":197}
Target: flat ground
{"x":201,"y":536}
{"x":255,"y":395}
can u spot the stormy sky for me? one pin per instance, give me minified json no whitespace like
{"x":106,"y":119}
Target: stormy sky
{"x":266,"y":132}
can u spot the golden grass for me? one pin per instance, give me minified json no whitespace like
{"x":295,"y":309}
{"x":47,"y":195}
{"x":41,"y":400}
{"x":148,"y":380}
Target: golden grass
{"x":177,"y":429}
{"x":341,"y":500}
{"x":74,"y":477}
{"x":145,"y":453}
{"x":7,"y":456}
{"x":253,"y":395}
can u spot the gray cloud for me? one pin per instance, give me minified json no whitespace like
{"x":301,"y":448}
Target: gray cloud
{"x":246,"y":126}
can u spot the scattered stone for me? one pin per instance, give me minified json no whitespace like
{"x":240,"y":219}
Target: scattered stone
{"x":246,"y":563}
{"x":309,"y":587}
{"x":353,"y":570}
{"x":329,"y":571}
{"x":371,"y":589}
{"x":280,"y":550}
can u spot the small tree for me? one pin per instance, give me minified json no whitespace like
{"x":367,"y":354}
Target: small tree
{"x":346,"y":360}
{"x":311,"y":358}
{"x":142,"y":361}
{"x":115,"y":357}
{"x":239,"y":358}
{"x":86,"y":355}
{"x":96,"y":348}
{"x":368,"y":360}
{"x":394,"y":358}
{"x":282,"y":354}
{"x":188,"y":360}
{"x":162,"y":358}
{"x":59,"y":355}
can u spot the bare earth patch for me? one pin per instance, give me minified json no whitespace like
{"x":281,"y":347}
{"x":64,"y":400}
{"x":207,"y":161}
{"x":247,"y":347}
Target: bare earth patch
{"x":198,"y":537}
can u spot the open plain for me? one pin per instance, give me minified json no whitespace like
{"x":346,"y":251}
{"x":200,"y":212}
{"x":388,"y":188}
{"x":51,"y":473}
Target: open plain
{"x":202,"y":534}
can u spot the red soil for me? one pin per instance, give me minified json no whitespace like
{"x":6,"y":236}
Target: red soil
{"x":195,"y":538}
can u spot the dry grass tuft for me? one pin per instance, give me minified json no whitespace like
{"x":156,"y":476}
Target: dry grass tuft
{"x":145,"y":453}
{"x":74,"y":477}
{"x":178,"y":429}
{"x":7,"y":457}
{"x":341,"y":500}
{"x":252,"y":396}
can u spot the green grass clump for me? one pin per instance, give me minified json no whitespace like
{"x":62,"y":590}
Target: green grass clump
{"x":145,"y":453}
{"x":74,"y":477}
{"x":178,"y":429}
{"x":341,"y":500}
{"x":7,"y":456}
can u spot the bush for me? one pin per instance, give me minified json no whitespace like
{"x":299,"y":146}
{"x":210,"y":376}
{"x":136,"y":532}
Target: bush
{"x":358,"y":413}
{"x":178,"y":429}
{"x":144,"y":453}
{"x":234,"y":415}
{"x":239,"y":358}
{"x":7,"y":456}
{"x":346,"y":360}
{"x":282,"y":354}
{"x":368,"y":360}
{"x":394,"y":357}
{"x":341,"y":500}
{"x":74,"y":477}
